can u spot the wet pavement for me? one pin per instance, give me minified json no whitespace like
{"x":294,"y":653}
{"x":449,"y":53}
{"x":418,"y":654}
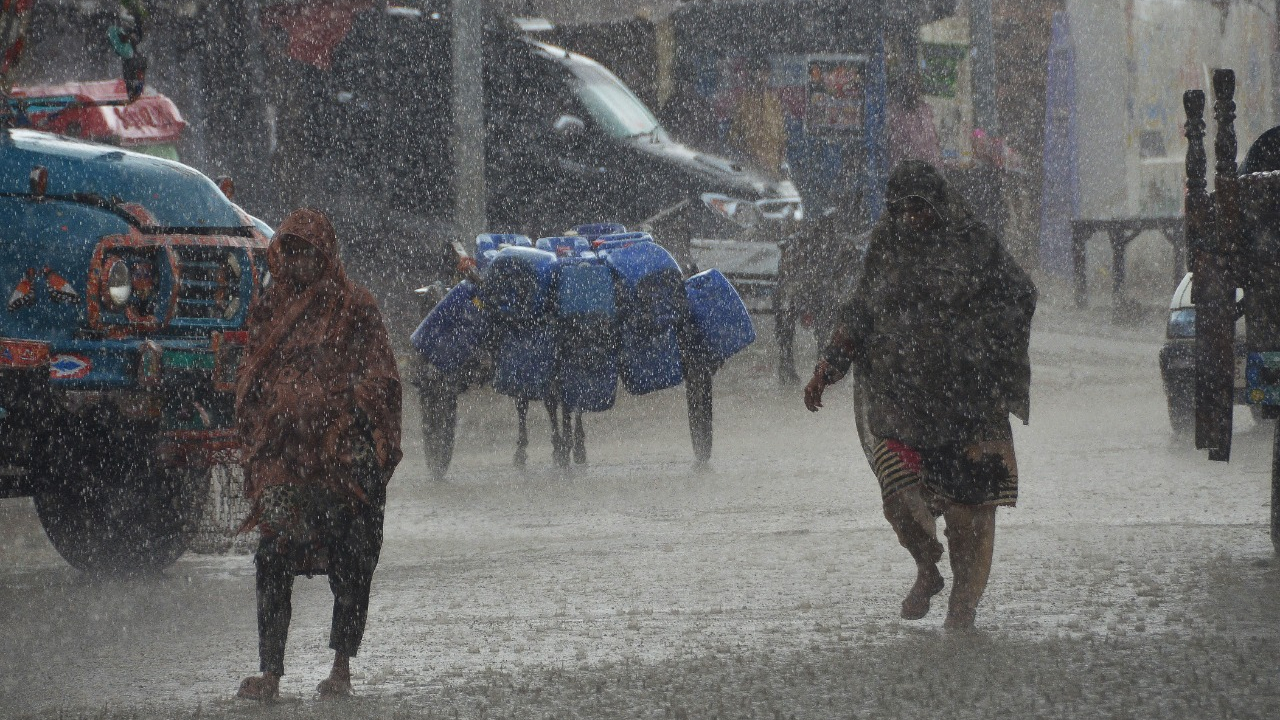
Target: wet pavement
{"x":1135,"y":578}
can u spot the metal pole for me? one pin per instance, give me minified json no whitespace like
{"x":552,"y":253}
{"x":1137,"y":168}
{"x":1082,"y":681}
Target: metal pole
{"x":468,"y":114}
{"x":985,"y":114}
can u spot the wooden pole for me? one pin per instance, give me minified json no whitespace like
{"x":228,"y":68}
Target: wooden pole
{"x":1215,"y":285}
{"x":468,"y":119}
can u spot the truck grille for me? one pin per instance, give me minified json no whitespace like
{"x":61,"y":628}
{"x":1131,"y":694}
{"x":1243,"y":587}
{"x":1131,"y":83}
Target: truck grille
{"x":208,"y":285}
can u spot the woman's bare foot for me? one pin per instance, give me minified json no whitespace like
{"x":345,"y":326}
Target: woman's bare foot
{"x":338,"y":685}
{"x":929,"y":582}
{"x":960,"y":619}
{"x":262,"y":688}
{"x":332,"y":688}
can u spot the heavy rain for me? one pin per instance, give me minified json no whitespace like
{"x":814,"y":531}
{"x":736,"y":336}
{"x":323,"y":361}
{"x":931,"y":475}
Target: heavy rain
{"x":639,"y":359}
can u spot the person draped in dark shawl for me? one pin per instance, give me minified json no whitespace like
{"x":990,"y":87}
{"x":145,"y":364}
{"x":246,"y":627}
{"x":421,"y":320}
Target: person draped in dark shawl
{"x":318,"y":406}
{"x":936,"y":331}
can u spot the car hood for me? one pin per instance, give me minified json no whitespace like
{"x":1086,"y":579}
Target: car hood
{"x":708,"y":172}
{"x":157,"y":193}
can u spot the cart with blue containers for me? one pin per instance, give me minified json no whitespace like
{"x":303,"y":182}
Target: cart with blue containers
{"x":565,"y":320}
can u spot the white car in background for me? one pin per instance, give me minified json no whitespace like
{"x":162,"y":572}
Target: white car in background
{"x":1178,"y":360}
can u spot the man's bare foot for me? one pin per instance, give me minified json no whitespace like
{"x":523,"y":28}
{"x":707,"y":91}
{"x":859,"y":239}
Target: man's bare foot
{"x":929,"y":582}
{"x":262,"y":688}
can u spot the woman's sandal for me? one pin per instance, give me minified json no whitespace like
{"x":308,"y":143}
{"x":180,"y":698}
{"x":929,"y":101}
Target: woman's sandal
{"x":916,"y":604}
{"x":333,"y":689}
{"x":258,"y":688}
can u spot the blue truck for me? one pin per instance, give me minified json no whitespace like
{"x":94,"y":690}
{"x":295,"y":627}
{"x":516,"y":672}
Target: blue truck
{"x":126,"y":280}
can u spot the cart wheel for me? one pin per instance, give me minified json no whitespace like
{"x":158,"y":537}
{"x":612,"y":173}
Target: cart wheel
{"x":697,"y":387}
{"x":1275,"y":490}
{"x":439,"y":422}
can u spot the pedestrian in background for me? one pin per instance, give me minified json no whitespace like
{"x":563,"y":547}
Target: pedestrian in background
{"x":318,"y":407}
{"x":937,"y":332}
{"x":757,"y":125}
{"x":913,"y":135}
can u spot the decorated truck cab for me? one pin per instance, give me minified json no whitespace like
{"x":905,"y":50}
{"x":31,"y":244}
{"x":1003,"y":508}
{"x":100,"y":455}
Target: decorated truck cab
{"x":126,"y":280}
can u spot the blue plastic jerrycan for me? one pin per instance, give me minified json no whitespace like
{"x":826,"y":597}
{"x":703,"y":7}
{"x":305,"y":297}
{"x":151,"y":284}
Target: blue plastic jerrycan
{"x":722,"y":327}
{"x":565,"y":245}
{"x":488,"y":245}
{"x":588,"y":367}
{"x":517,"y":288}
{"x":591,"y":231}
{"x":525,"y":362}
{"x":608,"y":243}
{"x":518,"y":283}
{"x":651,"y":304}
{"x":454,"y":331}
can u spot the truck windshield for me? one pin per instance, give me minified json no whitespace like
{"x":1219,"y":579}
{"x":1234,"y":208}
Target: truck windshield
{"x":611,"y":104}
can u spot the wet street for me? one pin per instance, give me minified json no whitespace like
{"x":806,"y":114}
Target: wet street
{"x":1134,"y":579}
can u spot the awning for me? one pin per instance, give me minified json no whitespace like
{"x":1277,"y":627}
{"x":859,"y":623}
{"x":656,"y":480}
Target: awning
{"x":152,"y":119}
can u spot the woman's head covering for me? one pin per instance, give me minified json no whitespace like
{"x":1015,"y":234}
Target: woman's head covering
{"x":312,"y":227}
{"x":319,"y":371}
{"x":921,"y":180}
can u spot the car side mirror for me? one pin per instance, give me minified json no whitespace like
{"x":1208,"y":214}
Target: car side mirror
{"x":569,"y":128}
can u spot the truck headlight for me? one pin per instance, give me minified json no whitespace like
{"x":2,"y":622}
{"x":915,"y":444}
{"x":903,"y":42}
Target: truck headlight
{"x":119,"y":283}
{"x":743,"y":213}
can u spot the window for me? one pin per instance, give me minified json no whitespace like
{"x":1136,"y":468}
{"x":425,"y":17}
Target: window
{"x":611,"y":104}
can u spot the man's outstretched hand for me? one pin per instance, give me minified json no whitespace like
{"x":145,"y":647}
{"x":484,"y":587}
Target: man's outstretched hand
{"x":823,"y":376}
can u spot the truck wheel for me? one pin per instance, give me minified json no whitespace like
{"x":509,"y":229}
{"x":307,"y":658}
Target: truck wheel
{"x":698,"y":382}
{"x":439,"y":406}
{"x":108,"y":510}
{"x":1180,"y":391}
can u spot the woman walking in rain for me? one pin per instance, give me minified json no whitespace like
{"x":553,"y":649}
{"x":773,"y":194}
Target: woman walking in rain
{"x":318,"y":406}
{"x":936,"y":333}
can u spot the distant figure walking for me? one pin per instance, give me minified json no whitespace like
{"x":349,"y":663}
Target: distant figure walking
{"x":318,"y":406}
{"x":936,"y":333}
{"x":912,"y":134}
{"x":757,"y":127}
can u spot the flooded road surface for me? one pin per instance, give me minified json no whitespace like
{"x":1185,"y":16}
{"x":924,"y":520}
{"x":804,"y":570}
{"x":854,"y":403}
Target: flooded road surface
{"x":1135,"y":578}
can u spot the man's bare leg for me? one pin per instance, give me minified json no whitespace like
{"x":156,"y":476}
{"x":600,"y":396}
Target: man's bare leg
{"x":908,"y":514}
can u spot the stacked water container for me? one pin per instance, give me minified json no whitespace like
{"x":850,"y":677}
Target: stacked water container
{"x":582,"y":311}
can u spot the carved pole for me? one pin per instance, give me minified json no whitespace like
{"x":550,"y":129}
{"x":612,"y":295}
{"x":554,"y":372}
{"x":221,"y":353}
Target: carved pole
{"x":1215,"y":284}
{"x":1197,"y":198}
{"x":1197,"y":219}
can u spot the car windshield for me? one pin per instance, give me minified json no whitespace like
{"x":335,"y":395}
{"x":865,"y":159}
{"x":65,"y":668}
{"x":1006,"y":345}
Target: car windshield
{"x":611,"y":104}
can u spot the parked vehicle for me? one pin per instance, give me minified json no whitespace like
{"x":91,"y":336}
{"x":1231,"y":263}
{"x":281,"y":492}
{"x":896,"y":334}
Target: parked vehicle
{"x":566,"y":139}
{"x":1178,"y":361}
{"x":127,"y":280}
